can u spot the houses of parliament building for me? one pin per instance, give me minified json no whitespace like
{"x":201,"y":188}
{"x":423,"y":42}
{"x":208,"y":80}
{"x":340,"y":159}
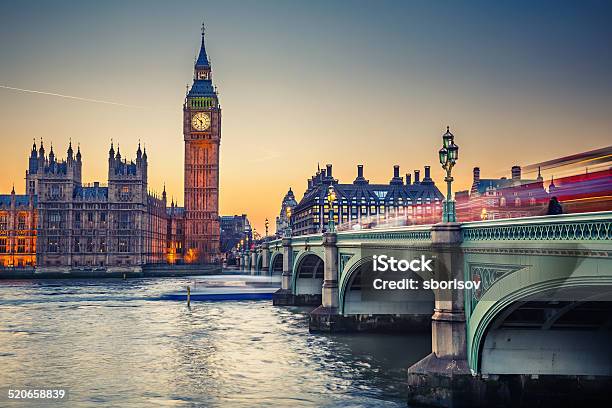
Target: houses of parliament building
{"x":61,"y":224}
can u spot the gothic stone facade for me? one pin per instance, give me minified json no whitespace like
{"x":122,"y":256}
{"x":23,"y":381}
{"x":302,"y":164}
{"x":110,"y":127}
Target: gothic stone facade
{"x":202,"y":134}
{"x":18,"y":219}
{"x":61,"y":224}
{"x":119,"y":226}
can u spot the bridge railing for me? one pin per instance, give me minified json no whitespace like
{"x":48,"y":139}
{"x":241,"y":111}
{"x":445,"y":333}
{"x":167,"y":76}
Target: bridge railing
{"x":418,"y":233}
{"x":307,"y":239}
{"x":596,"y":226}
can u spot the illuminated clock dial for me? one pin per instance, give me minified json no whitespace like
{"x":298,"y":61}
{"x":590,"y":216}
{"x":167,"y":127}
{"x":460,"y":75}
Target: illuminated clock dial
{"x":200,"y":121}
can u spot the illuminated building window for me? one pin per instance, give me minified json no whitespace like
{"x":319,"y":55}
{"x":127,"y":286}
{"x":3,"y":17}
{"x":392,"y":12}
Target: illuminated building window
{"x":124,"y":193}
{"x":21,"y":222}
{"x":21,"y":245}
{"x":3,"y":246}
{"x":3,"y":222}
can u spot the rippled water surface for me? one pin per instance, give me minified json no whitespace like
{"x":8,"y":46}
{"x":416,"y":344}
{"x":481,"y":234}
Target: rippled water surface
{"x":115,"y":343}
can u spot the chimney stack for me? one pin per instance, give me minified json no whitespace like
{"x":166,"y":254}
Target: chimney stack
{"x":329,"y":170}
{"x":408,"y":179}
{"x":359,"y":179}
{"x":396,"y":171}
{"x":516,"y":172}
{"x":417,"y":174}
{"x":427,"y":173}
{"x":476,"y":174}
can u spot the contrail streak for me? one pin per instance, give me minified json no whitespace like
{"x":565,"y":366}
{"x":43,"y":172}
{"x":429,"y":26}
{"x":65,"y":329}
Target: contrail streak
{"x":78,"y":98}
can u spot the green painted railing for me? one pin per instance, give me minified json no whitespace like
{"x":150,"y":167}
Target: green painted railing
{"x":412,"y":233}
{"x":572,"y":227}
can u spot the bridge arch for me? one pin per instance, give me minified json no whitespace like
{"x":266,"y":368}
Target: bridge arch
{"x":276,"y":263}
{"x":558,"y":326}
{"x":307,"y":277}
{"x":418,"y":303}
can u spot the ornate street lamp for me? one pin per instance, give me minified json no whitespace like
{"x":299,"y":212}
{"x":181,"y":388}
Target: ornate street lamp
{"x":449,"y":153}
{"x":331,"y":198}
{"x":267,"y":223}
{"x":288,"y":229}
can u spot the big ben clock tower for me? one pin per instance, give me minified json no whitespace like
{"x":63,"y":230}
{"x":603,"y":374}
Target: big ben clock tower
{"x":202,"y":132}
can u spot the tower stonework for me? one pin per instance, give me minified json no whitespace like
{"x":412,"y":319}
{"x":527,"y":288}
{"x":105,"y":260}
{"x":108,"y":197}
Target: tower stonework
{"x":202,"y":133}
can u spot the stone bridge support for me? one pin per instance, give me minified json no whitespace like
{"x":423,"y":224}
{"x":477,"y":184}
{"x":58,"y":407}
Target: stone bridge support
{"x":326,"y":317}
{"x":265,"y":258}
{"x":443,"y":377}
{"x":284,"y":296}
{"x":253,"y":262}
{"x":245,"y":261}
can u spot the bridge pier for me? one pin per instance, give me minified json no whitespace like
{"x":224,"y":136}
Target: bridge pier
{"x":284,"y":296}
{"x":443,"y":378}
{"x":325,"y":318}
{"x":253,"y":262}
{"x":265,"y":258}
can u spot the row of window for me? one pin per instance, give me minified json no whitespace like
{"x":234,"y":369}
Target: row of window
{"x":21,"y":222}
{"x":88,"y":245}
{"x":4,"y":247}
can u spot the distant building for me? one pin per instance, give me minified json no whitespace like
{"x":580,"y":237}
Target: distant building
{"x":234,"y":228}
{"x":175,"y":248}
{"x":502,"y":198}
{"x":18,"y":221}
{"x":282,"y":221}
{"x":414,"y":202}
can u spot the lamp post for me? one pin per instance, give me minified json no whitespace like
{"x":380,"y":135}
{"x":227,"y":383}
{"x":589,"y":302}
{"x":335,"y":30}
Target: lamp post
{"x":449,"y":154}
{"x":267,"y":223}
{"x":288,"y":229}
{"x":331,"y":197}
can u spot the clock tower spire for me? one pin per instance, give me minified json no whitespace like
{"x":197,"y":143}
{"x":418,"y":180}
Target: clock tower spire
{"x":202,"y":135}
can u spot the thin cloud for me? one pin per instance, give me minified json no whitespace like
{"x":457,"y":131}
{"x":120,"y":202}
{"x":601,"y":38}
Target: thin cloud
{"x":77,"y":98}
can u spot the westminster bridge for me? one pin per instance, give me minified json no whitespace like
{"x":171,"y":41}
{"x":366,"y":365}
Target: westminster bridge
{"x":541,"y":314}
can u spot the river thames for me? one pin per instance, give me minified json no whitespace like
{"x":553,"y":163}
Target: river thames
{"x":117,"y":343}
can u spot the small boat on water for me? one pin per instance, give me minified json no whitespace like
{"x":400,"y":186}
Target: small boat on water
{"x":224,"y":293}
{"x":224,"y":287}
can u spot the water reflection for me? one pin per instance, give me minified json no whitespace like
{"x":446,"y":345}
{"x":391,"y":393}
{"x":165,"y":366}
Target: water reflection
{"x":113,"y":343}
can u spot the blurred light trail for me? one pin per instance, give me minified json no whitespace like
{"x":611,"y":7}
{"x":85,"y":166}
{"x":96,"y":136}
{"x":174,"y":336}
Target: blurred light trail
{"x":590,"y":158}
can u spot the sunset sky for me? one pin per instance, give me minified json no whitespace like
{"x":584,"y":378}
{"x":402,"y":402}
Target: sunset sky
{"x":342,"y":82}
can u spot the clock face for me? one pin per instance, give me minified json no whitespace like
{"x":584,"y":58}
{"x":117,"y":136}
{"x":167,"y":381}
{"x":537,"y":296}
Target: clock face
{"x":200,"y":121}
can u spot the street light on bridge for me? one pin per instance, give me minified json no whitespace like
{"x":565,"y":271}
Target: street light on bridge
{"x":331,"y":198}
{"x":449,"y":153}
{"x":267,"y":223}
{"x":288,"y":229}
